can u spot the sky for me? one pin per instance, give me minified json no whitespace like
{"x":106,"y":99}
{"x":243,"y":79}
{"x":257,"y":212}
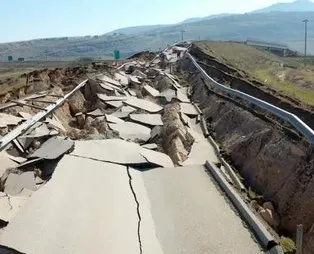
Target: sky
{"x":34,"y":19}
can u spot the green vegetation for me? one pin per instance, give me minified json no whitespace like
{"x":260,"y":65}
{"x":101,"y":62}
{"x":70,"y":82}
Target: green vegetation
{"x":287,"y":245}
{"x":292,"y":77}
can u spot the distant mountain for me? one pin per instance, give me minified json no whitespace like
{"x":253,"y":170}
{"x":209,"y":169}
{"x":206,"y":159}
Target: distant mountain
{"x":135,"y":29}
{"x":191,"y":20}
{"x":299,"y":5}
{"x":142,"y":29}
{"x":281,"y":27}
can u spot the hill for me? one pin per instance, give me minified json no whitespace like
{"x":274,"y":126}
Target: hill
{"x":135,"y":29}
{"x":287,"y":76}
{"x":284,"y":27}
{"x":299,"y":5}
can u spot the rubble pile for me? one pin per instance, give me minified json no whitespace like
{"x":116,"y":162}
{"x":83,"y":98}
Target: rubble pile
{"x":135,"y":115}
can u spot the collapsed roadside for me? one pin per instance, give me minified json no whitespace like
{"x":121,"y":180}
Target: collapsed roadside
{"x":274,"y":161}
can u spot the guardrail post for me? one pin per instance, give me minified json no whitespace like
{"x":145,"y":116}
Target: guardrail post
{"x":299,"y":239}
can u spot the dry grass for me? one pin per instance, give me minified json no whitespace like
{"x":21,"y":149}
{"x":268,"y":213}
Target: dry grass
{"x":293,"y":77}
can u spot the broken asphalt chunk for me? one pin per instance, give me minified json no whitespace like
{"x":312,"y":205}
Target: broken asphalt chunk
{"x":149,"y":119}
{"x":115,"y":104}
{"x":120,"y":152}
{"x":131,"y":131}
{"x":110,"y":87}
{"x":6,"y":162}
{"x":188,"y":109}
{"x":97,"y":112}
{"x":113,"y":119}
{"x":157,"y":158}
{"x":122,"y":78}
{"x":6,"y":119}
{"x":55,"y":123}
{"x":152,"y":146}
{"x":110,"y":150}
{"x":143,"y":104}
{"x":108,"y":80}
{"x":53,"y":148}
{"x":168,"y":94}
{"x":151,"y":91}
{"x":15,"y":183}
{"x":106,"y":98}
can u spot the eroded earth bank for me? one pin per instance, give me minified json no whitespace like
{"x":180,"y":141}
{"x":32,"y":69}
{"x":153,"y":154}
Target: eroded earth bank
{"x":273,"y":161}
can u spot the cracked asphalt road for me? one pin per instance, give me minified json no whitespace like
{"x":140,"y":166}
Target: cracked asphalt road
{"x":123,"y":210}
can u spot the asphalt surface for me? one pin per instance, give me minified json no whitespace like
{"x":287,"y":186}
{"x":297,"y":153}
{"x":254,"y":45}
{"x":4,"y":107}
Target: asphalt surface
{"x":190,"y":213}
{"x":87,"y":207}
{"x":97,"y":207}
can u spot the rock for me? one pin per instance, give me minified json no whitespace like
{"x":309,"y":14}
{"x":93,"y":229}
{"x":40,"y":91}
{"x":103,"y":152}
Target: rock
{"x":80,"y":119}
{"x":77,"y":103}
{"x":91,"y":89}
{"x":88,"y":122}
{"x":270,"y":217}
{"x":21,"y":93}
{"x":254,"y":205}
{"x":269,"y":205}
{"x":5,"y":98}
{"x":93,"y":131}
{"x":4,"y":131}
{"x":177,"y":141}
{"x":36,"y":144}
{"x":102,"y":127}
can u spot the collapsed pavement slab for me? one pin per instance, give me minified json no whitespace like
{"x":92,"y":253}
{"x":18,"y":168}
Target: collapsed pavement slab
{"x":95,"y":214}
{"x":16,"y":183}
{"x":149,"y":119}
{"x":108,"y":80}
{"x":106,"y":98}
{"x":6,"y":119}
{"x":143,"y":104}
{"x":109,"y":150}
{"x":131,"y":131}
{"x":151,"y":146}
{"x":188,"y":109}
{"x":6,"y":163}
{"x":53,"y":148}
{"x":120,"y":152}
{"x":151,"y":91}
{"x":113,"y":119}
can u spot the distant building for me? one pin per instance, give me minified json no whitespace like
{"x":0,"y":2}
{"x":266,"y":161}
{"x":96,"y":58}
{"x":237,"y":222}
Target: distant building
{"x":275,"y":48}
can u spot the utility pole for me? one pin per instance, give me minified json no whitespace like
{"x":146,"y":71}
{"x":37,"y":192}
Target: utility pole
{"x":305,"y":39}
{"x":182,"y":32}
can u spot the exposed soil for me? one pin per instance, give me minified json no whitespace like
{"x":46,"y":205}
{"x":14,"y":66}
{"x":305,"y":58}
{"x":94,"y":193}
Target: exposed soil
{"x":144,"y":56}
{"x":275,"y":165}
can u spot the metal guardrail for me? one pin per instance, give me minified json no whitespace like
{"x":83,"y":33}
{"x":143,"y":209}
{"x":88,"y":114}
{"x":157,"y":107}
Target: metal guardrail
{"x":19,"y":130}
{"x":295,"y":121}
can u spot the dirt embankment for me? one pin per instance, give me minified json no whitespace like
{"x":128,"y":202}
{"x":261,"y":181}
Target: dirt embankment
{"x":272,"y":163}
{"x":45,"y":79}
{"x":144,"y":56}
{"x":240,"y":81}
